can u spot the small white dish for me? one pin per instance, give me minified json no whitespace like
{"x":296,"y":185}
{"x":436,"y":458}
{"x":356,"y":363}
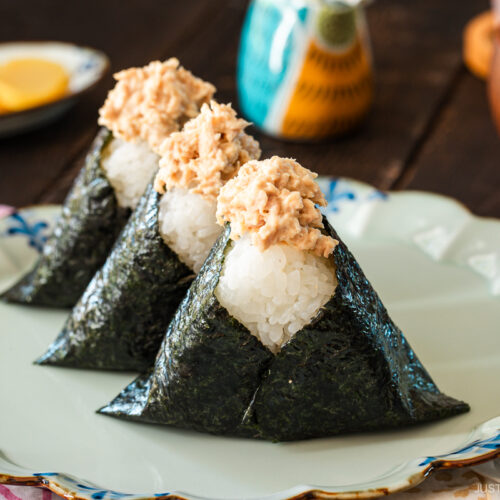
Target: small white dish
{"x":435,"y":266}
{"x":85,"y":67}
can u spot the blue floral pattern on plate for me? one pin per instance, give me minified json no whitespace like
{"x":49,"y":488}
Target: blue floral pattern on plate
{"x":35,"y":232}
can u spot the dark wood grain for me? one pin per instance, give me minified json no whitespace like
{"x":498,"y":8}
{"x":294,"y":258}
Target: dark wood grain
{"x":462,"y":156}
{"x":420,"y":81}
{"x":417,"y":52}
{"x":33,"y":165}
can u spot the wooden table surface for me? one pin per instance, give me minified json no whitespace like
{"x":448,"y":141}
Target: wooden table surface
{"x":430,"y":128}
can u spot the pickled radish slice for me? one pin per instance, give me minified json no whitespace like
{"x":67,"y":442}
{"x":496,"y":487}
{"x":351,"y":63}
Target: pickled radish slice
{"x":26,"y":83}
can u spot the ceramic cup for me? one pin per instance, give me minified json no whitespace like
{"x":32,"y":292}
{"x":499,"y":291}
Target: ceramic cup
{"x":304,"y":67}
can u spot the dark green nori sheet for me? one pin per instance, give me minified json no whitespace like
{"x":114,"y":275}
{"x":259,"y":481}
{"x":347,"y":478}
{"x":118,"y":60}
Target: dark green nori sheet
{"x":120,"y":321}
{"x":83,"y":236}
{"x":349,"y":370}
{"x":208,"y":363}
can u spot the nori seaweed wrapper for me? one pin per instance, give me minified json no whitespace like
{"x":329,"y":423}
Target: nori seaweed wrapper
{"x":84,"y":233}
{"x":208,"y":364}
{"x":349,"y":370}
{"x":120,"y":321}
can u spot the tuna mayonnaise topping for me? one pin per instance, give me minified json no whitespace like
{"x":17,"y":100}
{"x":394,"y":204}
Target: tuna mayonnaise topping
{"x":274,"y":201}
{"x":206,"y":153}
{"x":151,"y":102}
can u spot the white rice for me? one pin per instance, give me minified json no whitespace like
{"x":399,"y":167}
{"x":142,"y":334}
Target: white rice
{"x":274,"y":293}
{"x":188,"y":225}
{"x":129,"y":167}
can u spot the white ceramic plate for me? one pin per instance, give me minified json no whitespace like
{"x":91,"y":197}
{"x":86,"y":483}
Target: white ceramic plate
{"x":436,"y":267}
{"x":85,"y":67}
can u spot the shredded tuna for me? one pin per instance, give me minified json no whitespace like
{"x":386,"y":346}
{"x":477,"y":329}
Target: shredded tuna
{"x":275,"y":202}
{"x":151,"y":102}
{"x":206,"y":153}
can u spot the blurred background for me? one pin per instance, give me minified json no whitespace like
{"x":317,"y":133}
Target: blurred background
{"x":429,"y":127}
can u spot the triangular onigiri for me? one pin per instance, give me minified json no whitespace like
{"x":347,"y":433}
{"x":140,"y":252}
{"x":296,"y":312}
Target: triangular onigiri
{"x":119,"y":321}
{"x":351,"y":369}
{"x":84,"y":233}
